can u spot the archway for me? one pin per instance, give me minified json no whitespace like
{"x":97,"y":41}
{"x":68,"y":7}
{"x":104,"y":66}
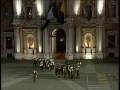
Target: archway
{"x":29,"y":44}
{"x":88,"y":46}
{"x":59,"y":43}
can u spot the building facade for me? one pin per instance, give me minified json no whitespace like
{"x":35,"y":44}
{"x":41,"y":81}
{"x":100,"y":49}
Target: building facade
{"x":86,"y":34}
{"x":7,"y":36}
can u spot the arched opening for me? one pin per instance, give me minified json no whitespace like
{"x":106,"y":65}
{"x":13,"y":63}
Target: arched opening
{"x":59,"y":43}
{"x":88,"y":40}
{"x":29,"y":44}
{"x":88,"y":46}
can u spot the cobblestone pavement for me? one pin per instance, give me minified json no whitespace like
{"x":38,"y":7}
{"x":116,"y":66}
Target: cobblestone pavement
{"x":92,"y":77}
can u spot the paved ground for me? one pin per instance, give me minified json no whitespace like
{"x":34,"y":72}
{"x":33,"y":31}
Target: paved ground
{"x":18,"y":76}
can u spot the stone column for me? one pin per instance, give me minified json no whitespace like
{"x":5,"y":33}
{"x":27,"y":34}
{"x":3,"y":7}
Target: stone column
{"x":67,"y":41}
{"x":21,"y":41}
{"x":46,"y":43}
{"x":78,"y":42}
{"x":39,"y":42}
{"x":99,"y":38}
{"x":53,"y":44}
{"x":50,"y":45}
{"x":70,"y":43}
{"x":100,"y":43}
{"x":116,"y":44}
{"x":18,"y":54}
{"x":103,"y":41}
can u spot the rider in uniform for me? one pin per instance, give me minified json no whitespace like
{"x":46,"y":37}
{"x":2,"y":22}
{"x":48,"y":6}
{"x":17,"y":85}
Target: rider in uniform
{"x":64,"y":71}
{"x":71,"y":72}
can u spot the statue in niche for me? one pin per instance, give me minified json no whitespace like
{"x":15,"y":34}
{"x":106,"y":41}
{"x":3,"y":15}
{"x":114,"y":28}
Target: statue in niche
{"x":30,"y":43}
{"x":88,"y":41}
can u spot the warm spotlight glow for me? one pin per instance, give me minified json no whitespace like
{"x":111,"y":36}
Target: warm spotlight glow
{"x":18,"y":6}
{"x":18,"y":49}
{"x":18,"y":46}
{"x":100,"y":4}
{"x":88,"y":56}
{"x":100,"y":45}
{"x":77,"y":7}
{"x":33,"y":46}
{"x":39,"y":6}
{"x":77,"y":48}
{"x":40,"y":49}
{"x":27,"y":44}
{"x":88,"y":40}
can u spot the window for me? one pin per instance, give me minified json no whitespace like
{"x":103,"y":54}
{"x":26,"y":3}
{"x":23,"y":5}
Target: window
{"x":29,"y":12}
{"x":111,"y":41}
{"x":9,"y":42}
{"x":113,"y":8}
{"x":9,"y":55}
{"x":88,"y":12}
{"x":107,"y":9}
{"x":113,"y":13}
{"x":111,"y":55}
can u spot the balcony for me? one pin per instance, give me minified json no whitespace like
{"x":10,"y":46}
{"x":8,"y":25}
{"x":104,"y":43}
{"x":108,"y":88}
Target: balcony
{"x":24,"y":21}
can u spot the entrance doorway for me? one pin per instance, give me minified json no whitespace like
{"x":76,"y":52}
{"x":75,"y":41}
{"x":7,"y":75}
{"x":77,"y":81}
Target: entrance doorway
{"x":59,"y":43}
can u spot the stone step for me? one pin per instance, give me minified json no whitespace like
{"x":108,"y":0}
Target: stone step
{"x":98,"y":87}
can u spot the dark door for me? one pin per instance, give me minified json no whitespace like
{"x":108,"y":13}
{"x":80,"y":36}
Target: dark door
{"x":60,"y":44}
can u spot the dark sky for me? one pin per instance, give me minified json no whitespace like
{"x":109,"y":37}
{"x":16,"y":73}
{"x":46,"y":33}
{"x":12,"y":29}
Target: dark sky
{"x":7,"y":9}
{"x":6,"y":15}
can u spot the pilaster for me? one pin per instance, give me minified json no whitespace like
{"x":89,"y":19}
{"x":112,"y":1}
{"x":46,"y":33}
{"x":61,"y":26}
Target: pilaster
{"x":70,"y":42}
{"x":46,"y":48}
{"x":18,"y":54}
{"x":78,"y":42}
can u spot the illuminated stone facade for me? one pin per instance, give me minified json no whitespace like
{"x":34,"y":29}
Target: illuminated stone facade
{"x":84,"y":35}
